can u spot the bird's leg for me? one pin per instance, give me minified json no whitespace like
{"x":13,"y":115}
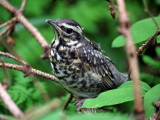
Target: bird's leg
{"x":68,"y":101}
{"x":78,"y":104}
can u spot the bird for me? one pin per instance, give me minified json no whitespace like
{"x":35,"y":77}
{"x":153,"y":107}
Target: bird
{"x":80,"y":64}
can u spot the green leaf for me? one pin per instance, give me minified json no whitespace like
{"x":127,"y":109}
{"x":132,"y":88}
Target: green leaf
{"x":150,"y":79}
{"x":18,"y":94}
{"x":151,"y":96}
{"x":58,"y":115}
{"x":157,"y":2}
{"x":141,"y":31}
{"x":129,"y":84}
{"x":116,"y":96}
{"x":21,"y":80}
{"x":158,"y":51}
{"x":151,"y":62}
{"x":54,"y":114}
{"x":100,"y":116}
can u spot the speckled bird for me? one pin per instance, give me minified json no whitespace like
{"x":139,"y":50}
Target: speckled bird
{"x":79,"y":63}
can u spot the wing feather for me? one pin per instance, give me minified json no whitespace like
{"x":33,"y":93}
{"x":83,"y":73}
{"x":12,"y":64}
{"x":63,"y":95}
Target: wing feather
{"x":93,"y":59}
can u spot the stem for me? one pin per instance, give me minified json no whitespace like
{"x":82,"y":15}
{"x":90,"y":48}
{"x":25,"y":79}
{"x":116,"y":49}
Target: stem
{"x":132,"y":57}
{"x":13,"y":108}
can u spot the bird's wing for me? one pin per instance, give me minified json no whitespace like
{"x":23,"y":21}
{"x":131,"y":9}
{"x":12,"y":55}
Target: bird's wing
{"x":94,"y":60}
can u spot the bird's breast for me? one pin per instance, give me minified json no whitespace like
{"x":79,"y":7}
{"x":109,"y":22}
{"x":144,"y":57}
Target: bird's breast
{"x":64,"y":61}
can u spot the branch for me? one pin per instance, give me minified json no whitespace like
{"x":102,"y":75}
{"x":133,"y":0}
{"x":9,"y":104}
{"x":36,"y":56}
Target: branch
{"x":8,"y":6}
{"x":149,"y":13}
{"x":111,"y":8}
{"x":132,"y":58}
{"x":13,"y":108}
{"x":148,"y":42}
{"x":8,"y":22}
{"x":5,"y":117}
{"x":30,"y":70}
{"x":6,"y":82}
{"x":5,"y":31}
{"x":23,"y":5}
{"x":20,"y":18}
{"x":25,"y":67}
{"x":156,"y":115}
{"x":32,"y":30}
{"x":13,"y":57}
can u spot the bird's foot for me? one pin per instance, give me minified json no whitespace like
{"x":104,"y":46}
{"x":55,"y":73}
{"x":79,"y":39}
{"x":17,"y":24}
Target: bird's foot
{"x":78,"y":104}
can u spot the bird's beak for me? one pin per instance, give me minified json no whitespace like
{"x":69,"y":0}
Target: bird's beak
{"x":53,"y":23}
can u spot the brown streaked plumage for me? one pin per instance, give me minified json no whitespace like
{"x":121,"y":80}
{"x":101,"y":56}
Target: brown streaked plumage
{"x":79,"y":63}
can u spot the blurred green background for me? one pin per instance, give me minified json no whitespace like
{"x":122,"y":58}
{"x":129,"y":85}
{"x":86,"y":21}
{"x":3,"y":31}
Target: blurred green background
{"x":92,"y":15}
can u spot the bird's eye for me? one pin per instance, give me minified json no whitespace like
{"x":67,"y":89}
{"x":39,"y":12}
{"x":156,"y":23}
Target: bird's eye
{"x":69,"y":31}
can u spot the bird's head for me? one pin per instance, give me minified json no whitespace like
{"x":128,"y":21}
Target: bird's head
{"x":66,"y":30}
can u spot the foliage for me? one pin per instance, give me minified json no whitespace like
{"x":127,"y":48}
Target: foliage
{"x":99,"y":26}
{"x":58,"y":115}
{"x":151,"y":96}
{"x":141,"y":31}
{"x":123,"y":93}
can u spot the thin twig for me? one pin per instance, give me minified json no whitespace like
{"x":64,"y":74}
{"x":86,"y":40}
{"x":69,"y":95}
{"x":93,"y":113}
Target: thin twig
{"x":6,"y":82}
{"x":13,"y":108}
{"x":13,"y":57}
{"x":150,"y":14}
{"x":40,"y":88}
{"x":132,"y":58}
{"x":5,"y":31}
{"x":156,"y":115}
{"x":111,"y":8}
{"x":8,"y":22}
{"x":18,"y":14}
{"x":32,"y":30}
{"x":31,"y":70}
{"x":35,"y":33}
{"x":8,"y":6}
{"x":23,"y":5}
{"x":26,"y":68}
{"x":10,"y":35}
{"x":10,"y":29}
{"x":6,"y":117}
{"x":148,"y":42}
{"x":144,"y":46}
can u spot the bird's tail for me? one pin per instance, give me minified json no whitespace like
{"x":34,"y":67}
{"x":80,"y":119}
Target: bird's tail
{"x":121,"y":78}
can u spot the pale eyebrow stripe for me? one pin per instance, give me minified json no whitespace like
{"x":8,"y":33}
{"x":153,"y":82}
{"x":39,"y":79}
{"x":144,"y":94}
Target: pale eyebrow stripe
{"x":77,"y":29}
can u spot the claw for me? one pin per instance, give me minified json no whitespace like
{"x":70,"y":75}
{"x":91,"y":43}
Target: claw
{"x":78,"y":104}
